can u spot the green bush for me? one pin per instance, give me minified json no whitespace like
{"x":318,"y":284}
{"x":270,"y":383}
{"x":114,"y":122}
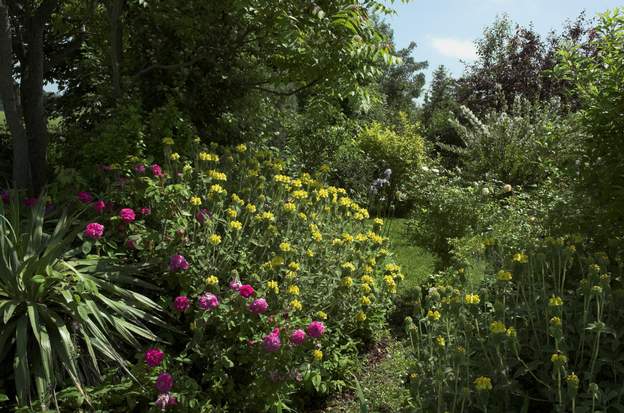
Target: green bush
{"x":539,"y":330}
{"x":220,"y":216}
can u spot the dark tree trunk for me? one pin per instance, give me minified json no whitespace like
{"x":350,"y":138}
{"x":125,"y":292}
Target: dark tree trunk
{"x":35,"y":117}
{"x":115,"y":9}
{"x":12,"y":106}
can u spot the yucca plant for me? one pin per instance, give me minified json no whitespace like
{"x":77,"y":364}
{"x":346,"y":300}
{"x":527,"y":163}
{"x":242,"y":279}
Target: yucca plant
{"x":60,"y":314}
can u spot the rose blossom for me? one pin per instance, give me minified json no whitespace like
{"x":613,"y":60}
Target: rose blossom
{"x":164,"y":382}
{"x":99,"y":206}
{"x":127,"y":215}
{"x":297,"y":337}
{"x":165,"y":400}
{"x":272,"y":342}
{"x":258,"y":306}
{"x":157,"y":171}
{"x":85,"y":197}
{"x":316,"y":329}
{"x":145,"y":211}
{"x":182,"y":303}
{"x":139,"y":168}
{"x":177,"y":263}
{"x":154,"y":356}
{"x":202,"y":215}
{"x":94,"y":230}
{"x":208,"y":301}
{"x":235,"y":284}
{"x":246,"y":290}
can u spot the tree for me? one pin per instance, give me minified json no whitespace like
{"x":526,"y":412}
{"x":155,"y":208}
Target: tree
{"x":440,"y":107}
{"x":26,"y":58}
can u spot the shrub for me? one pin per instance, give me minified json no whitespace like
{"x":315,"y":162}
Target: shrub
{"x":62,"y":315}
{"x":248,"y":257}
{"x":538,"y":331}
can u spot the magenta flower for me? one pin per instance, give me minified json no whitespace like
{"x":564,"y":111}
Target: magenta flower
{"x":178,"y":263}
{"x":85,"y":197}
{"x":139,"y":168}
{"x":272,"y":342}
{"x":127,"y":215}
{"x":297,"y":337}
{"x":99,"y":206}
{"x":246,"y":290}
{"x":94,"y":230}
{"x":182,"y":303}
{"x":145,"y":211}
{"x":208,"y":301}
{"x":165,"y":400}
{"x":154,"y":356}
{"x":31,"y":202}
{"x":235,"y":284}
{"x":157,"y":171}
{"x":258,"y":306}
{"x":202,"y":215}
{"x":164,"y":382}
{"x":316,"y":329}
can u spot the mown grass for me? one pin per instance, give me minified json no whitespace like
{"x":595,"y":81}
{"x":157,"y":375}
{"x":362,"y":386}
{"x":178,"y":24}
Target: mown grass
{"x":53,"y":123}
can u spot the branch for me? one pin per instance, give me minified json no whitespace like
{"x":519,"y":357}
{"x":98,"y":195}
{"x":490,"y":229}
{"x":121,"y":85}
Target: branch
{"x":288,"y":93}
{"x":167,"y":67}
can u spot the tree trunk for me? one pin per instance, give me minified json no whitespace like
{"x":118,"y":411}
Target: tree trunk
{"x":115,"y":9}
{"x":12,"y":106}
{"x":35,"y":117}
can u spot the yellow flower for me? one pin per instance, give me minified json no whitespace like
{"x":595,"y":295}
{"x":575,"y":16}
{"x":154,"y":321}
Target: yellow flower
{"x":299,"y":194}
{"x":441,"y":341}
{"x":317,"y":354}
{"x":294,"y":266}
{"x":366,"y":288}
{"x":293,"y":289}
{"x":205,"y":156}
{"x":558,"y":359}
{"x":472,"y":299}
{"x":302,"y":216}
{"x":511,"y":332}
{"x":503,"y":275}
{"x":367,"y":279}
{"x":237,"y":199}
{"x":483,"y":383}
{"x":347,"y":281}
{"x":284,"y":247}
{"x":392,"y":268}
{"x":521,"y":258}
{"x":573,"y":380}
{"x":196,"y":201}
{"x":555,"y":301}
{"x":187,"y":169}
{"x":266,"y":216}
{"x":272,"y":285}
{"x":296,"y":304}
{"x":361,"y":316}
{"x":498,"y":327}
{"x":174,"y":156}
{"x":378,"y":221}
{"x":217,"y":189}
{"x":365,"y":300}
{"x":217,"y":176}
{"x":277,"y":261}
{"x":290,"y":207}
{"x":236,"y":225}
{"x":433,"y":315}
{"x":168,"y":141}
{"x":251,"y":208}
{"x":317,"y":236}
{"x":555,"y":322}
{"x":349,"y":266}
{"x":389,"y":280}
{"x":215,"y":239}
{"x":241,"y":148}
{"x":212,"y":280}
{"x":231,"y":213}
{"x":322,"y":193}
{"x":322,"y":315}
{"x":310,"y":253}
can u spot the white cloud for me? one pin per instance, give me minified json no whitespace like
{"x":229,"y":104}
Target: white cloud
{"x":457,"y":48}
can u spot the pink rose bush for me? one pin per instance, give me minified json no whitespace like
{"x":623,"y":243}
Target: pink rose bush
{"x":208,"y":301}
{"x":127,"y":215}
{"x":153,"y":357}
{"x":178,"y":263}
{"x":94,"y":231}
{"x":182,"y":303}
{"x":259,"y":306}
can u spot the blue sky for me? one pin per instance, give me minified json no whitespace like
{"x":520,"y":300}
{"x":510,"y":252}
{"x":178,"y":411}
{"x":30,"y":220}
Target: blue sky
{"x":446,"y":29}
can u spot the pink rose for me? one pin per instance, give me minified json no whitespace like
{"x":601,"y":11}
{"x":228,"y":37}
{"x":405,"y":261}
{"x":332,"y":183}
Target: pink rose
{"x":258,"y":306}
{"x":208,"y":301}
{"x":157,"y":171}
{"x":246,"y":290}
{"x":272,"y":342}
{"x":99,"y":206}
{"x":145,"y":211}
{"x":178,"y":263}
{"x":94,"y":230}
{"x":127,"y":215}
{"x":182,"y":303}
{"x":164,"y":382}
{"x":297,"y":337}
{"x":316,"y":329}
{"x":139,"y":168}
{"x":154,"y":356}
{"x":85,"y":197}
